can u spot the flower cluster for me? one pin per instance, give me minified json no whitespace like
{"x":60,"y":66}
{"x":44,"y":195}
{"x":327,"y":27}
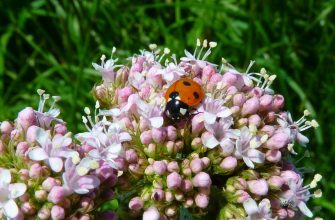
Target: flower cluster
{"x":230,"y":157}
{"x":38,"y":169}
{"x":236,"y":143}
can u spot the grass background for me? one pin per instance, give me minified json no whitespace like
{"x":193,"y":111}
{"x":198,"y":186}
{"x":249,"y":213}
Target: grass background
{"x":51,"y":44}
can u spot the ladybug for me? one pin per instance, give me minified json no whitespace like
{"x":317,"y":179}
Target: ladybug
{"x":181,"y":97}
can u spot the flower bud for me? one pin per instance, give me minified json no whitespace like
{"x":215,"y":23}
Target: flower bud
{"x":144,"y":124}
{"x":201,"y":200}
{"x":196,"y":143}
{"x":202,"y":179}
{"x":277,"y":103}
{"x":255,"y":120}
{"x":86,"y":204}
{"x":27,"y":208}
{"x":57,"y":194}
{"x":22,"y":148}
{"x":24,"y":174}
{"x":198,"y":123}
{"x":206,"y":161}
{"x":15,"y":134}
{"x":49,"y":183}
{"x":265,"y":102}
{"x":171,"y":133}
{"x":289,"y":174}
{"x":57,"y":213}
{"x":273,"y":156}
{"x":250,"y":107}
{"x":228,"y":163}
{"x":249,"y":174}
{"x":258,"y":187}
{"x":151,"y":214}
{"x":207,"y":72}
{"x":146,"y":137}
{"x":26,"y":118}
{"x":173,"y":180}
{"x":100,"y":92}
{"x":149,"y":170}
{"x":121,"y":163}
{"x":239,"y":99}
{"x":136,"y":204}
{"x":229,"y":78}
{"x":35,"y":171}
{"x":188,"y":202}
{"x":131,"y":156}
{"x":44,"y":213}
{"x":196,"y":165}
{"x":158,"y":135}
{"x":171,"y":211}
{"x":159,"y":167}
{"x":123,"y":94}
{"x":41,"y":195}
{"x":281,"y":213}
{"x":60,"y":129}
{"x":278,"y":140}
{"x":31,"y":134}
{"x":173,"y":166}
{"x":268,"y":129}
{"x":158,"y":195}
{"x":169,"y":196}
{"x":242,"y":196}
{"x":6,"y":127}
{"x":186,"y":185}
{"x":275,"y":182}
{"x":135,"y":168}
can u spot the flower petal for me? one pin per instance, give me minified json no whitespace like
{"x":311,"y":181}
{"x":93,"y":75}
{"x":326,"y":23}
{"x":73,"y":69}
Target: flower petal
{"x":248,"y":162}
{"x":210,"y":142}
{"x":256,"y":156}
{"x":304,"y":209}
{"x":38,"y":154}
{"x":156,"y":122}
{"x":224,"y":114}
{"x":56,"y":164}
{"x":5,"y":177}
{"x":11,"y":209}
{"x":42,"y":137}
{"x":17,"y":190}
{"x":209,"y":118}
{"x":250,"y":206}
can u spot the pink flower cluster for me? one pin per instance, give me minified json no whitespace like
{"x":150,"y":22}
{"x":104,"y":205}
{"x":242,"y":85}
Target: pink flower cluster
{"x":38,"y":170}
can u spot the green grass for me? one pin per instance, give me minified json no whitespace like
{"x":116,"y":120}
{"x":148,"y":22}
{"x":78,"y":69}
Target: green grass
{"x":51,"y":44}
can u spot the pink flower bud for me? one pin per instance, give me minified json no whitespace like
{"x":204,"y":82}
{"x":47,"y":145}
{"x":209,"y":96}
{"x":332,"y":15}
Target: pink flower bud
{"x":207,"y":72}
{"x":145,"y":92}
{"x":6,"y":127}
{"x":41,"y":195}
{"x":60,"y":129}
{"x":201,"y":200}
{"x":171,"y":133}
{"x":44,"y":213}
{"x":250,"y":107}
{"x":121,"y":163}
{"x":35,"y":171}
{"x":202,"y":179}
{"x":196,"y":165}
{"x":15,"y":134}
{"x":232,"y":90}
{"x":136,"y":67}
{"x":188,"y":202}
{"x":131,"y":156}
{"x":57,"y":194}
{"x":136,"y":204}
{"x":196,"y":143}
{"x":22,"y":148}
{"x":198,"y":123}
{"x":84,"y":217}
{"x":289,"y":174}
{"x":229,"y":78}
{"x":144,"y":124}
{"x":158,"y":135}
{"x":273,"y":156}
{"x":26,"y":118}
{"x":151,"y":214}
{"x":228,"y":163}
{"x":278,"y":140}
{"x":27,"y":208}
{"x":159,"y":167}
{"x":173,"y":166}
{"x":281,"y":213}
{"x":268,"y":129}
{"x":135,"y":168}
{"x":171,"y":211}
{"x":57,"y":213}
{"x":146,"y":137}
{"x":86,"y":204}
{"x":100,"y":92}
{"x":49,"y":183}
{"x":265,"y":102}
{"x":31,"y":134}
{"x":186,"y":185}
{"x":173,"y":180}
{"x":290,"y":213}
{"x":242,"y":196}
{"x":239,"y":99}
{"x":149,"y":170}
{"x":258,"y":187}
{"x":278,"y":102}
{"x":169,"y":196}
{"x":206,"y":161}
{"x":275,"y":182}
{"x":123,"y":94}
{"x":255,"y":120}
{"x":158,"y":195}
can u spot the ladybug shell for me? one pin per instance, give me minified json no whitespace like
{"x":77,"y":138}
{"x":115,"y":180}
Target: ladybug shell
{"x":187,"y":90}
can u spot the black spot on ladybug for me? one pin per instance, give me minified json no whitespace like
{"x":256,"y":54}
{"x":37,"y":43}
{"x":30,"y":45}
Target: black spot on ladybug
{"x":196,"y":95}
{"x":186,"y":83}
{"x":174,"y":95}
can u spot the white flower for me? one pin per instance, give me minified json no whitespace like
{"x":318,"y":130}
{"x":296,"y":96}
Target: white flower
{"x":260,"y":212}
{"x":107,"y":69}
{"x":8,"y":194}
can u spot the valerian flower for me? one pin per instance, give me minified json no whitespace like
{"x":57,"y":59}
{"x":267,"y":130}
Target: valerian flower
{"x":257,"y":212}
{"x":213,"y":109}
{"x":8,"y":193}
{"x":246,"y":148}
{"x":150,"y":112}
{"x":75,"y":183}
{"x":52,"y":151}
{"x":172,"y":73}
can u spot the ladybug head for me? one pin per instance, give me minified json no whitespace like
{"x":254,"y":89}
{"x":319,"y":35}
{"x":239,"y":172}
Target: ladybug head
{"x":176,"y":109}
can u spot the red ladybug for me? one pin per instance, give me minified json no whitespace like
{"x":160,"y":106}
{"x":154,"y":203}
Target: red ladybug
{"x":181,"y":97}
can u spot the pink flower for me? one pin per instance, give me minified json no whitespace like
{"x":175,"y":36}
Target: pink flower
{"x":26,"y":118}
{"x":57,"y":212}
{"x":202,"y":179}
{"x":151,"y":214}
{"x":159,"y":167}
{"x":250,"y":107}
{"x":57,"y":194}
{"x":278,"y":140}
{"x":260,"y":211}
{"x":136,"y":203}
{"x":258,"y":187}
{"x":150,"y":112}
{"x":213,"y":109}
{"x":6,"y":127}
{"x":229,"y":163}
{"x":201,"y":200}
{"x":196,"y":165}
{"x":173,"y":180}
